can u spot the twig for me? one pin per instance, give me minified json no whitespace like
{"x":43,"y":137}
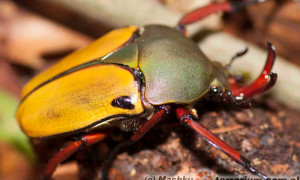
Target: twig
{"x":227,"y":129}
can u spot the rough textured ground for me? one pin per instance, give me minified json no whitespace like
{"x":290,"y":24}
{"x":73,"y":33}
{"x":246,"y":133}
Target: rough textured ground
{"x":268,"y":134}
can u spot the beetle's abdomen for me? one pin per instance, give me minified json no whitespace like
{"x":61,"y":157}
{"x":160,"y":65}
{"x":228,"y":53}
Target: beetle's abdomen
{"x":175,"y":69}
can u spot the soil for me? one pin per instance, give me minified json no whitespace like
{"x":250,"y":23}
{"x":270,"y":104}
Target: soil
{"x":267,"y":134}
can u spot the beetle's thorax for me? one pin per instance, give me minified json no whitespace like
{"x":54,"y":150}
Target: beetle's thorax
{"x":175,"y":69}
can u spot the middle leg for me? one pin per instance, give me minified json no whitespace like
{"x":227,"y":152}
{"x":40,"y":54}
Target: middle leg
{"x":160,"y":113}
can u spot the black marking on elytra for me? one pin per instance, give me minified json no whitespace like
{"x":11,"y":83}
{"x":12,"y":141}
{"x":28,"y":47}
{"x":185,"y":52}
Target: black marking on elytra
{"x":123,"y":102}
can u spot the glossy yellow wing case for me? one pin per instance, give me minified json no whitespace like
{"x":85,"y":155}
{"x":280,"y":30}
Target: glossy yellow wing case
{"x":75,"y":94}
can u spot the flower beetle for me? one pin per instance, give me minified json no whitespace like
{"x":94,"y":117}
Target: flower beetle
{"x":131,"y":78}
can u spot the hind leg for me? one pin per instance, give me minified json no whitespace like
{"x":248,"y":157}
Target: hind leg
{"x":70,"y":149}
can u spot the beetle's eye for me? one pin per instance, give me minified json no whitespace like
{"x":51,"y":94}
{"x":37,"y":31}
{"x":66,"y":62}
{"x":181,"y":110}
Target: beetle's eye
{"x":123,"y":102}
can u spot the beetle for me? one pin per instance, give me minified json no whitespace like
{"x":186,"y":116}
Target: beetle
{"x":131,"y":78}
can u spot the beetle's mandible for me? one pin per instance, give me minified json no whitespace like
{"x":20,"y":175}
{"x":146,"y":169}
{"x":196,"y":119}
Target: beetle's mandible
{"x":131,"y":78}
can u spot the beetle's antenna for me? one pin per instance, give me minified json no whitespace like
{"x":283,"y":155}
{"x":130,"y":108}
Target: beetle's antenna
{"x":237,"y":55}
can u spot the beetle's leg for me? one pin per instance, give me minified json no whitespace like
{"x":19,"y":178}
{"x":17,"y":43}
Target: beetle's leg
{"x":202,"y":12}
{"x":264,"y":82}
{"x":160,"y":113}
{"x":70,"y":149}
{"x":157,"y":116}
{"x":188,"y":119}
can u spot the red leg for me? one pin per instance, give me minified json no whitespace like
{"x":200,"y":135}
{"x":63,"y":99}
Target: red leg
{"x":67,"y":151}
{"x":264,"y":82}
{"x":187,"y":118}
{"x":202,"y":12}
{"x":143,"y":129}
{"x":157,"y":116}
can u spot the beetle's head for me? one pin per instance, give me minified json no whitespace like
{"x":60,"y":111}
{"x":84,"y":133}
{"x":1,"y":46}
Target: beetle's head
{"x":264,"y":82}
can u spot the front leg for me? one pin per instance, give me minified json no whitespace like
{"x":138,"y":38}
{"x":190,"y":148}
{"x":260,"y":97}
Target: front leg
{"x":264,"y":82}
{"x":205,"y":11}
{"x":188,"y":119}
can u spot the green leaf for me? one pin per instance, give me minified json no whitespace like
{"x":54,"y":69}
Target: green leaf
{"x":9,"y":128}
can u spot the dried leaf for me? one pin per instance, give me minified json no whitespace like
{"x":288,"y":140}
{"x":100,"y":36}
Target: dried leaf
{"x":26,"y":37}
